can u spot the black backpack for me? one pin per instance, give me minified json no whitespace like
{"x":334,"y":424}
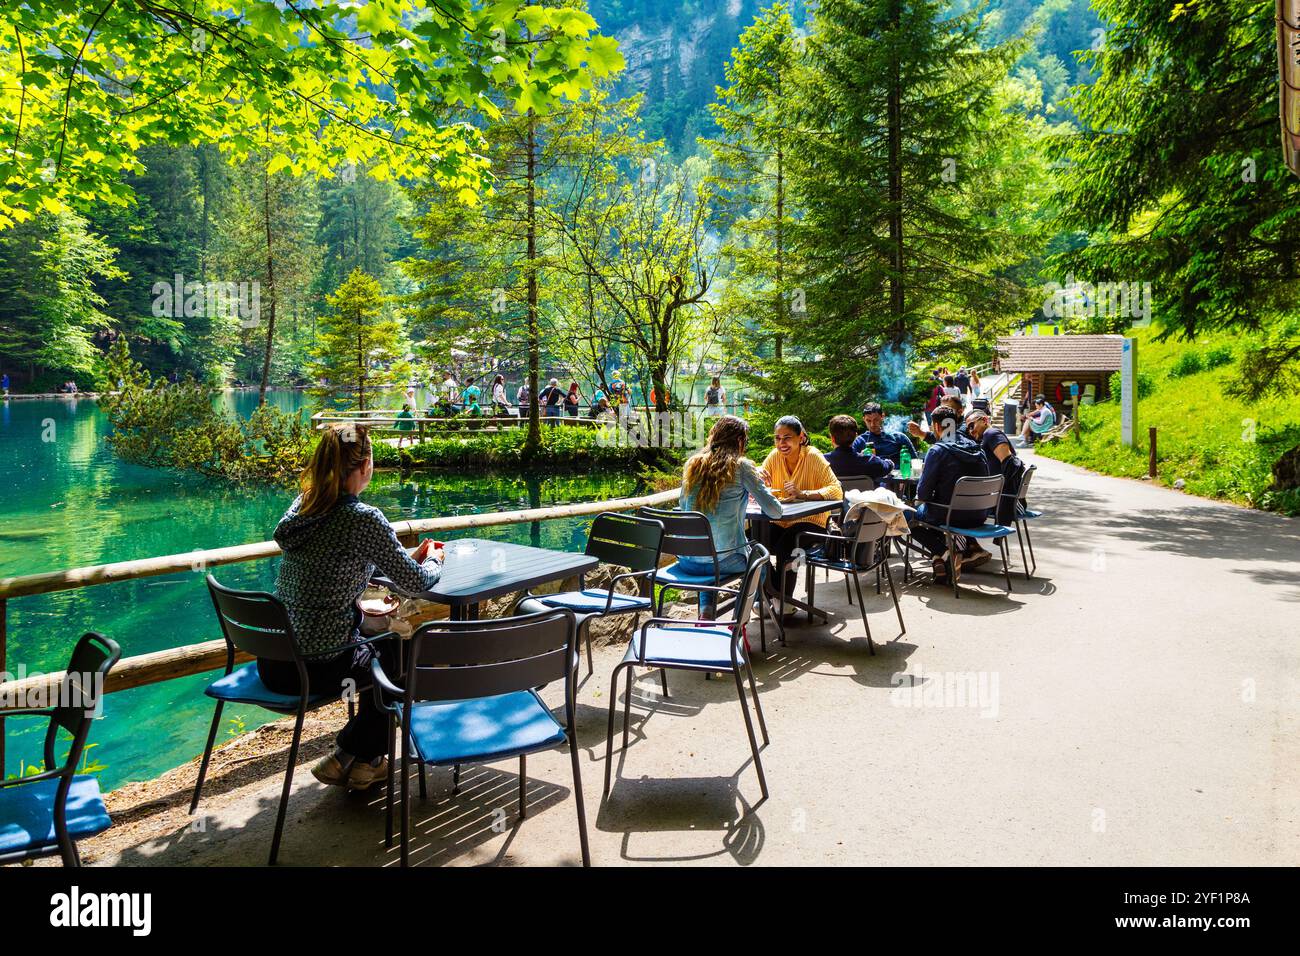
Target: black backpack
{"x":1009,"y":505}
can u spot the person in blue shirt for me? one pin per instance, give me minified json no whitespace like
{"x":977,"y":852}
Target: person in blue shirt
{"x":883,"y":443}
{"x":844,"y":461}
{"x":717,"y":482}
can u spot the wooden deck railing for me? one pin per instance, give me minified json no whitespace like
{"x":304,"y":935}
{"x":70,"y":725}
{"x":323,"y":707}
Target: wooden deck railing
{"x":190,"y":659}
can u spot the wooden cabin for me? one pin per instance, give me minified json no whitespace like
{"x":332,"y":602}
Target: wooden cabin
{"x":1048,"y":363}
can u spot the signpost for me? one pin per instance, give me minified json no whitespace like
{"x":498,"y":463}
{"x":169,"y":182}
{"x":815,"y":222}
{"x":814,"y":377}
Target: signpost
{"x":1074,"y":400}
{"x":1128,"y":393}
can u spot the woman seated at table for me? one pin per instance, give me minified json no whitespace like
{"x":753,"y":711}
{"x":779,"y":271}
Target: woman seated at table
{"x":717,"y":482}
{"x":332,"y":545}
{"x":796,"y":471}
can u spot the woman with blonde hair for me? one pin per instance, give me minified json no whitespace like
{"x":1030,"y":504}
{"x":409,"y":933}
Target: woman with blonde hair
{"x":333,"y":544}
{"x":797,"y":472}
{"x":717,"y":482}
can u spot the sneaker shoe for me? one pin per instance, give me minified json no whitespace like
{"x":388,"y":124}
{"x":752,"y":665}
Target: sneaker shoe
{"x":976,"y":558}
{"x":364,"y":775}
{"x":329,"y":771}
{"x":940,"y":571}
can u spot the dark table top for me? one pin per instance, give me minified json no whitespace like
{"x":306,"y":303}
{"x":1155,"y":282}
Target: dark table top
{"x":497,"y":568}
{"x":795,"y":509}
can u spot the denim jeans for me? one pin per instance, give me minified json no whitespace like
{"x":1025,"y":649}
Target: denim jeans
{"x":734,"y":563}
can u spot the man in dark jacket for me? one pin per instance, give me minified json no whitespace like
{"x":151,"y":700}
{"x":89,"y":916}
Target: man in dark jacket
{"x":948,"y":459}
{"x":847,"y":463}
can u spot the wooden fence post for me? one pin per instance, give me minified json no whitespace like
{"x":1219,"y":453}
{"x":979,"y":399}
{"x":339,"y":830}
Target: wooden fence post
{"x":1151,"y":459}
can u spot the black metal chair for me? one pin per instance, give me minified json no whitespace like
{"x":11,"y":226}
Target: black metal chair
{"x":1023,"y":515}
{"x":622,"y":541}
{"x":470,"y":698}
{"x":865,"y":550}
{"x":709,"y":646}
{"x":257,"y":623}
{"x":688,"y":534}
{"x":44,"y":814}
{"x":972,"y":494}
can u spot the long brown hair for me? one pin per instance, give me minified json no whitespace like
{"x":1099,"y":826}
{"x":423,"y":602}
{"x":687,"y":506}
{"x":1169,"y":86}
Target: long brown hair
{"x":344,"y":447}
{"x":713,"y":467}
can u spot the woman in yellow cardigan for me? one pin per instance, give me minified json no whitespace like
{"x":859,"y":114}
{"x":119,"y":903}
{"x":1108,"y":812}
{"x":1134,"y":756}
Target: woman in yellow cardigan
{"x":795,"y":471}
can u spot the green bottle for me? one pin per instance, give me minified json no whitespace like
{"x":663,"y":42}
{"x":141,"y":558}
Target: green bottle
{"x":904,"y":464}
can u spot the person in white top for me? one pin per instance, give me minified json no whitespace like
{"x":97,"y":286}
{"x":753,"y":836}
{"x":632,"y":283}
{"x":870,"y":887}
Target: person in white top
{"x":499,"y":404}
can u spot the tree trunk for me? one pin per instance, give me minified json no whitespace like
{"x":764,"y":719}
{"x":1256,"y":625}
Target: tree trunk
{"x":270,"y":286}
{"x":895,"y":120}
{"x":534,"y":440}
{"x":780,"y":239}
{"x":361,"y":372}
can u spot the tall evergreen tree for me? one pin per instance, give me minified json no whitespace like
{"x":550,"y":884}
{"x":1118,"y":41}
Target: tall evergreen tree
{"x":359,"y":348}
{"x":891,"y":167}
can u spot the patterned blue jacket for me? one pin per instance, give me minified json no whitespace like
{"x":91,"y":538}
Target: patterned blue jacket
{"x":328,"y":560}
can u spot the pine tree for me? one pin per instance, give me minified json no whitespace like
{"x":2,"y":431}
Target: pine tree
{"x":897,"y":118}
{"x":358,"y":347}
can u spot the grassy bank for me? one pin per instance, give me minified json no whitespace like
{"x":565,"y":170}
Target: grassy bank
{"x":1220,"y":446}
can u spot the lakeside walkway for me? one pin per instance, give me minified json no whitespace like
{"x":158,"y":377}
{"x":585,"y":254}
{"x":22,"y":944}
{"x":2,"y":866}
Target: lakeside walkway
{"x":1139,"y":707}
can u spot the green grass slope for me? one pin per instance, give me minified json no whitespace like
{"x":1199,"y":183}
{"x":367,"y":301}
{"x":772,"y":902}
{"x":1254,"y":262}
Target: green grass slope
{"x":1221,"y":446}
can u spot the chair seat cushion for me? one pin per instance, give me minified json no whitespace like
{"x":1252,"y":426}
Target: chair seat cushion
{"x":983,"y":531}
{"x":693,"y":646}
{"x":592,"y":600}
{"x":674,"y":576}
{"x":244,"y":685}
{"x":27,"y":814}
{"x":483,"y":729}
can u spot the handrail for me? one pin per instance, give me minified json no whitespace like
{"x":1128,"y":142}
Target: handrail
{"x":70,"y":578}
{"x":189,"y":659}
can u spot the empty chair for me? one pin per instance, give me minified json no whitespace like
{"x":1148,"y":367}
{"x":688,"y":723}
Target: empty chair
{"x":622,"y":541}
{"x":862,"y":547}
{"x":46,"y":813}
{"x":1022,"y":515}
{"x":674,"y":644}
{"x":972,"y":494}
{"x":469,"y":697}
{"x":688,"y":534}
{"x":257,"y":623}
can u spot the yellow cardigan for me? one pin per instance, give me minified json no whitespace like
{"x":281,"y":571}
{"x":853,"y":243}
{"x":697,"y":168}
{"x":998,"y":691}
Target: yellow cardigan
{"x":812,"y":472}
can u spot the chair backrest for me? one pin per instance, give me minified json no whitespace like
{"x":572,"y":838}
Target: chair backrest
{"x":975,"y":494}
{"x":870,"y":532}
{"x":687,"y":534}
{"x":1024,"y":482}
{"x":80,"y":695}
{"x":862,"y":483}
{"x":254,"y":622}
{"x":460,"y":660}
{"x":626,"y":540}
{"x":758,"y":556}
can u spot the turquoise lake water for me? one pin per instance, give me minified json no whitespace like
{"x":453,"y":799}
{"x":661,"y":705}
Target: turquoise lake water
{"x":66,"y":501}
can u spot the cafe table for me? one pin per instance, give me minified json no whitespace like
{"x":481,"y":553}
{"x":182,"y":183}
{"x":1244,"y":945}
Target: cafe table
{"x":475,"y":570}
{"x":761,"y":528}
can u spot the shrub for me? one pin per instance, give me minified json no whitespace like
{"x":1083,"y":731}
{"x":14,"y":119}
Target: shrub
{"x":1189,"y":363}
{"x":1146,"y":384}
{"x":1218,"y":356}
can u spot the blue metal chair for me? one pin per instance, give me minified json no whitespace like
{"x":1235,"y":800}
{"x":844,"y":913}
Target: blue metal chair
{"x":688,"y":534}
{"x":470,"y":697}
{"x":622,"y":541}
{"x":709,"y":646}
{"x":257,"y":623}
{"x":972,"y":494}
{"x":1023,"y":515}
{"x":866,"y":550}
{"x":46,"y":813}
